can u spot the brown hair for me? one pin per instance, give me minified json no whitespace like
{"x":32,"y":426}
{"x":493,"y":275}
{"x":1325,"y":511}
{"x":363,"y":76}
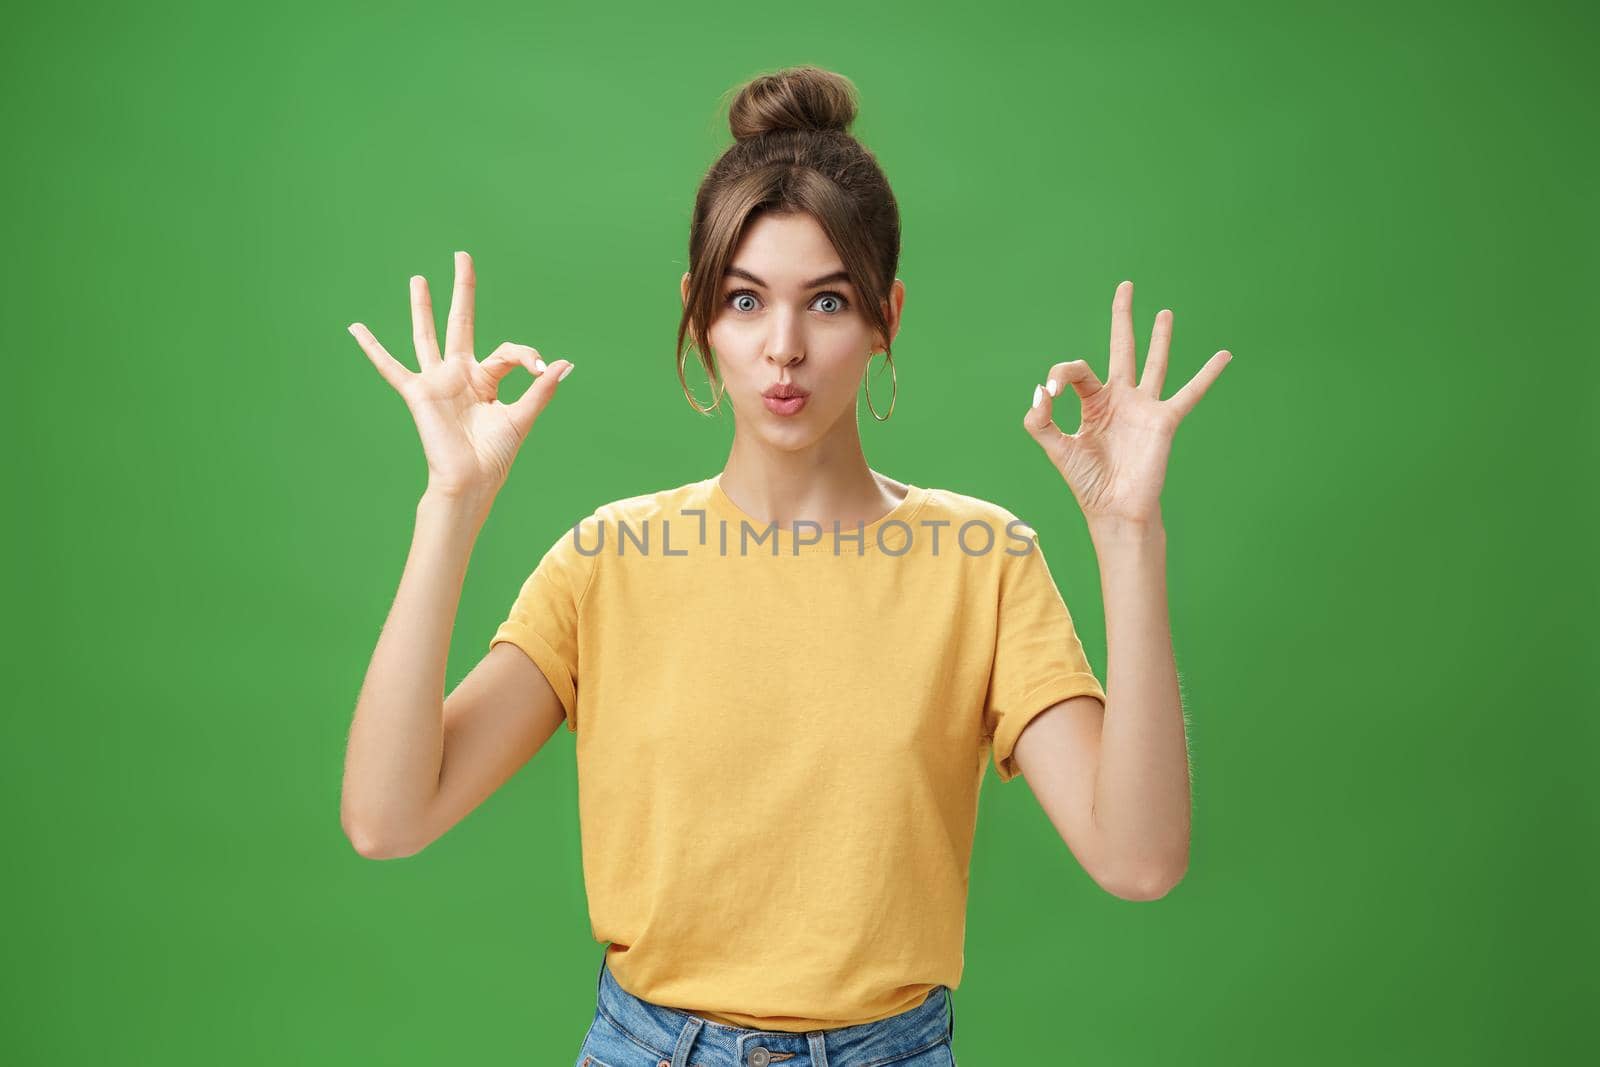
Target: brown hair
{"x":792,"y":152}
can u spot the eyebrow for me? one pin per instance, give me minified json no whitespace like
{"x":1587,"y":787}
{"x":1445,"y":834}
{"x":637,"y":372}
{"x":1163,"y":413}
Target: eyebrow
{"x":836,"y":276}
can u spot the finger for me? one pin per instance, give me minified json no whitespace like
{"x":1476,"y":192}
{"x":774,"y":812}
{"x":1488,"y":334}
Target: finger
{"x":509,"y":355}
{"x":1077,"y":374}
{"x":1155,"y":363}
{"x":1122,"y":354}
{"x":392,"y":370}
{"x":423,"y":336}
{"x":458,"y":327}
{"x":1184,"y":400}
{"x":527,"y":406}
{"x":1041,"y":426}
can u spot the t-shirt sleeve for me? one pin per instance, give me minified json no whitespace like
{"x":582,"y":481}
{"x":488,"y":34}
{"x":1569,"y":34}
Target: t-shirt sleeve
{"x":1038,"y":658}
{"x":543,"y":620}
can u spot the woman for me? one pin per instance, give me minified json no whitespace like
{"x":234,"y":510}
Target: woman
{"x":785,"y":680}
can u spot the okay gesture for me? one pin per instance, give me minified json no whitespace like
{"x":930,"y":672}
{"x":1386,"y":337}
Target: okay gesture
{"x":1116,"y":461}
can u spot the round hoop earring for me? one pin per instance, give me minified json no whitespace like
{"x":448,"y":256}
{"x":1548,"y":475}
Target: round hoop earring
{"x":894,"y":382}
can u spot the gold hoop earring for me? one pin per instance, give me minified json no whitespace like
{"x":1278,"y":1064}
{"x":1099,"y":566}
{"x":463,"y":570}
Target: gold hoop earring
{"x":894,"y":382}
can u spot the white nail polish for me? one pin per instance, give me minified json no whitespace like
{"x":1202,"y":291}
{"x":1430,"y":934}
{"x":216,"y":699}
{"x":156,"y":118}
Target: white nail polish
{"x":1050,"y":387}
{"x":563,"y":376}
{"x":538,"y":364}
{"x":1037,"y":394}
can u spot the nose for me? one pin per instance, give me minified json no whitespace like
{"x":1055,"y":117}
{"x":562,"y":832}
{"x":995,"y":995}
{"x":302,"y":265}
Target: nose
{"x":785,"y":344}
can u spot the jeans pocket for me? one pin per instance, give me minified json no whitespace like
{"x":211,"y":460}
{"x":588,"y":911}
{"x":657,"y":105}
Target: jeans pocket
{"x":608,"y":1045}
{"x":587,"y":1056}
{"x":939,"y":1055}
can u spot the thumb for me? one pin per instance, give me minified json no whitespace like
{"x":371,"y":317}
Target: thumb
{"x":1039,"y":422}
{"x":526,"y":407}
{"x":1043,"y":429}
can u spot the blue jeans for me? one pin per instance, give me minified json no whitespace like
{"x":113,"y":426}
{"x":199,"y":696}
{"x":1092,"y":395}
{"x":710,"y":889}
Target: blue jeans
{"x":630,"y":1032}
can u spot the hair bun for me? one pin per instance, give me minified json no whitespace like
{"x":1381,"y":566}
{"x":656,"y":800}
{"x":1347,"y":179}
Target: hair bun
{"x":796,"y":98}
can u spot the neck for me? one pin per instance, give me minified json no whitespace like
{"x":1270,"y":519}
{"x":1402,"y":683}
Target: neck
{"x":828,"y":481}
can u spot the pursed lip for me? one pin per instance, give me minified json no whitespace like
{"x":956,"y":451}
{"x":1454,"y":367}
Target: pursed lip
{"x":781,"y":392}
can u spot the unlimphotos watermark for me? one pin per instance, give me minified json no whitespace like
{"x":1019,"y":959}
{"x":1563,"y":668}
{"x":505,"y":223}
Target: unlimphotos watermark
{"x":629,"y":540}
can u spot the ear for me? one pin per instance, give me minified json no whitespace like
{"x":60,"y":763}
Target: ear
{"x":683,"y":289}
{"x":894,"y":306}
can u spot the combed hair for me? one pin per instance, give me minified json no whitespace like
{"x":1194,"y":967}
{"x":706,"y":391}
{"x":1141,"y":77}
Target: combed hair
{"x":792,"y":152}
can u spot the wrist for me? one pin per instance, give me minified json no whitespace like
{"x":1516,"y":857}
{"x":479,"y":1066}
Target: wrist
{"x":1123,"y":528}
{"x":468,"y":502}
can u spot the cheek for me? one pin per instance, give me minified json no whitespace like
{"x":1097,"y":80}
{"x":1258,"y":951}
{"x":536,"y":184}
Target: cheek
{"x":729,"y":342}
{"x":835,"y":359}
{"x":844,"y":366}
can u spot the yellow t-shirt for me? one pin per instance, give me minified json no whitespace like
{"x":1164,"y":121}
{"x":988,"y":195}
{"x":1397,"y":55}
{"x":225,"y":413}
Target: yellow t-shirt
{"x":781,"y":736}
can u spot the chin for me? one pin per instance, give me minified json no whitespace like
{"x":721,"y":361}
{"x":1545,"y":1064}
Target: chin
{"x":789,"y":437}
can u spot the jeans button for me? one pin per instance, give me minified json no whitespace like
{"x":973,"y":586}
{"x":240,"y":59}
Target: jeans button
{"x":760,"y":1057}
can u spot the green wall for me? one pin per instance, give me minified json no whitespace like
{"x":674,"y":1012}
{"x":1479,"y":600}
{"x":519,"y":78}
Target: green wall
{"x":1376,"y":517}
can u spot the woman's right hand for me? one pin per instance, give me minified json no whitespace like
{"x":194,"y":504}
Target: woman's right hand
{"x":468,"y":436}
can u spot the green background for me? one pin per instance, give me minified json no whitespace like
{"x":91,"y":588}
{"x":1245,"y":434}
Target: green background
{"x":1377,"y":517}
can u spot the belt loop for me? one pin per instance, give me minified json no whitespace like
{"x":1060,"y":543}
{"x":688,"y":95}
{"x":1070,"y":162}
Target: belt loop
{"x":819,"y":1048}
{"x":691,"y":1029}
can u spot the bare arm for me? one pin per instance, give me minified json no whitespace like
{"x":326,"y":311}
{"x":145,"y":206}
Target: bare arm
{"x":496,"y":720}
{"x":414,"y":768}
{"x":1116,"y":781}
{"x":416,"y":763}
{"x":1141,"y":789}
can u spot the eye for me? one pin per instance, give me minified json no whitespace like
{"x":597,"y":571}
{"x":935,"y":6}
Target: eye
{"x":842,"y":304}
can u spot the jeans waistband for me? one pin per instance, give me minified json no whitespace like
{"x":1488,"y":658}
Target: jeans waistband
{"x":682,"y":1039}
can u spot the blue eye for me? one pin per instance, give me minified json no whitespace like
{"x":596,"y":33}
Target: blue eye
{"x":838,"y":298}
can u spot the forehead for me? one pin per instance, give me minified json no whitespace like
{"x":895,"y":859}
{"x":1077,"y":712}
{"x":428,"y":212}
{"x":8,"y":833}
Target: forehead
{"x":786,"y":250}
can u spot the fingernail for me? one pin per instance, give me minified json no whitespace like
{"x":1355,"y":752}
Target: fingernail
{"x":352,"y":329}
{"x":1050,"y":387}
{"x":1037,"y":395}
{"x":563,"y":375}
{"x":538,"y":364}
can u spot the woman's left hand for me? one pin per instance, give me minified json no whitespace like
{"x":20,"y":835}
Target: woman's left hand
{"x":1116,"y":461}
